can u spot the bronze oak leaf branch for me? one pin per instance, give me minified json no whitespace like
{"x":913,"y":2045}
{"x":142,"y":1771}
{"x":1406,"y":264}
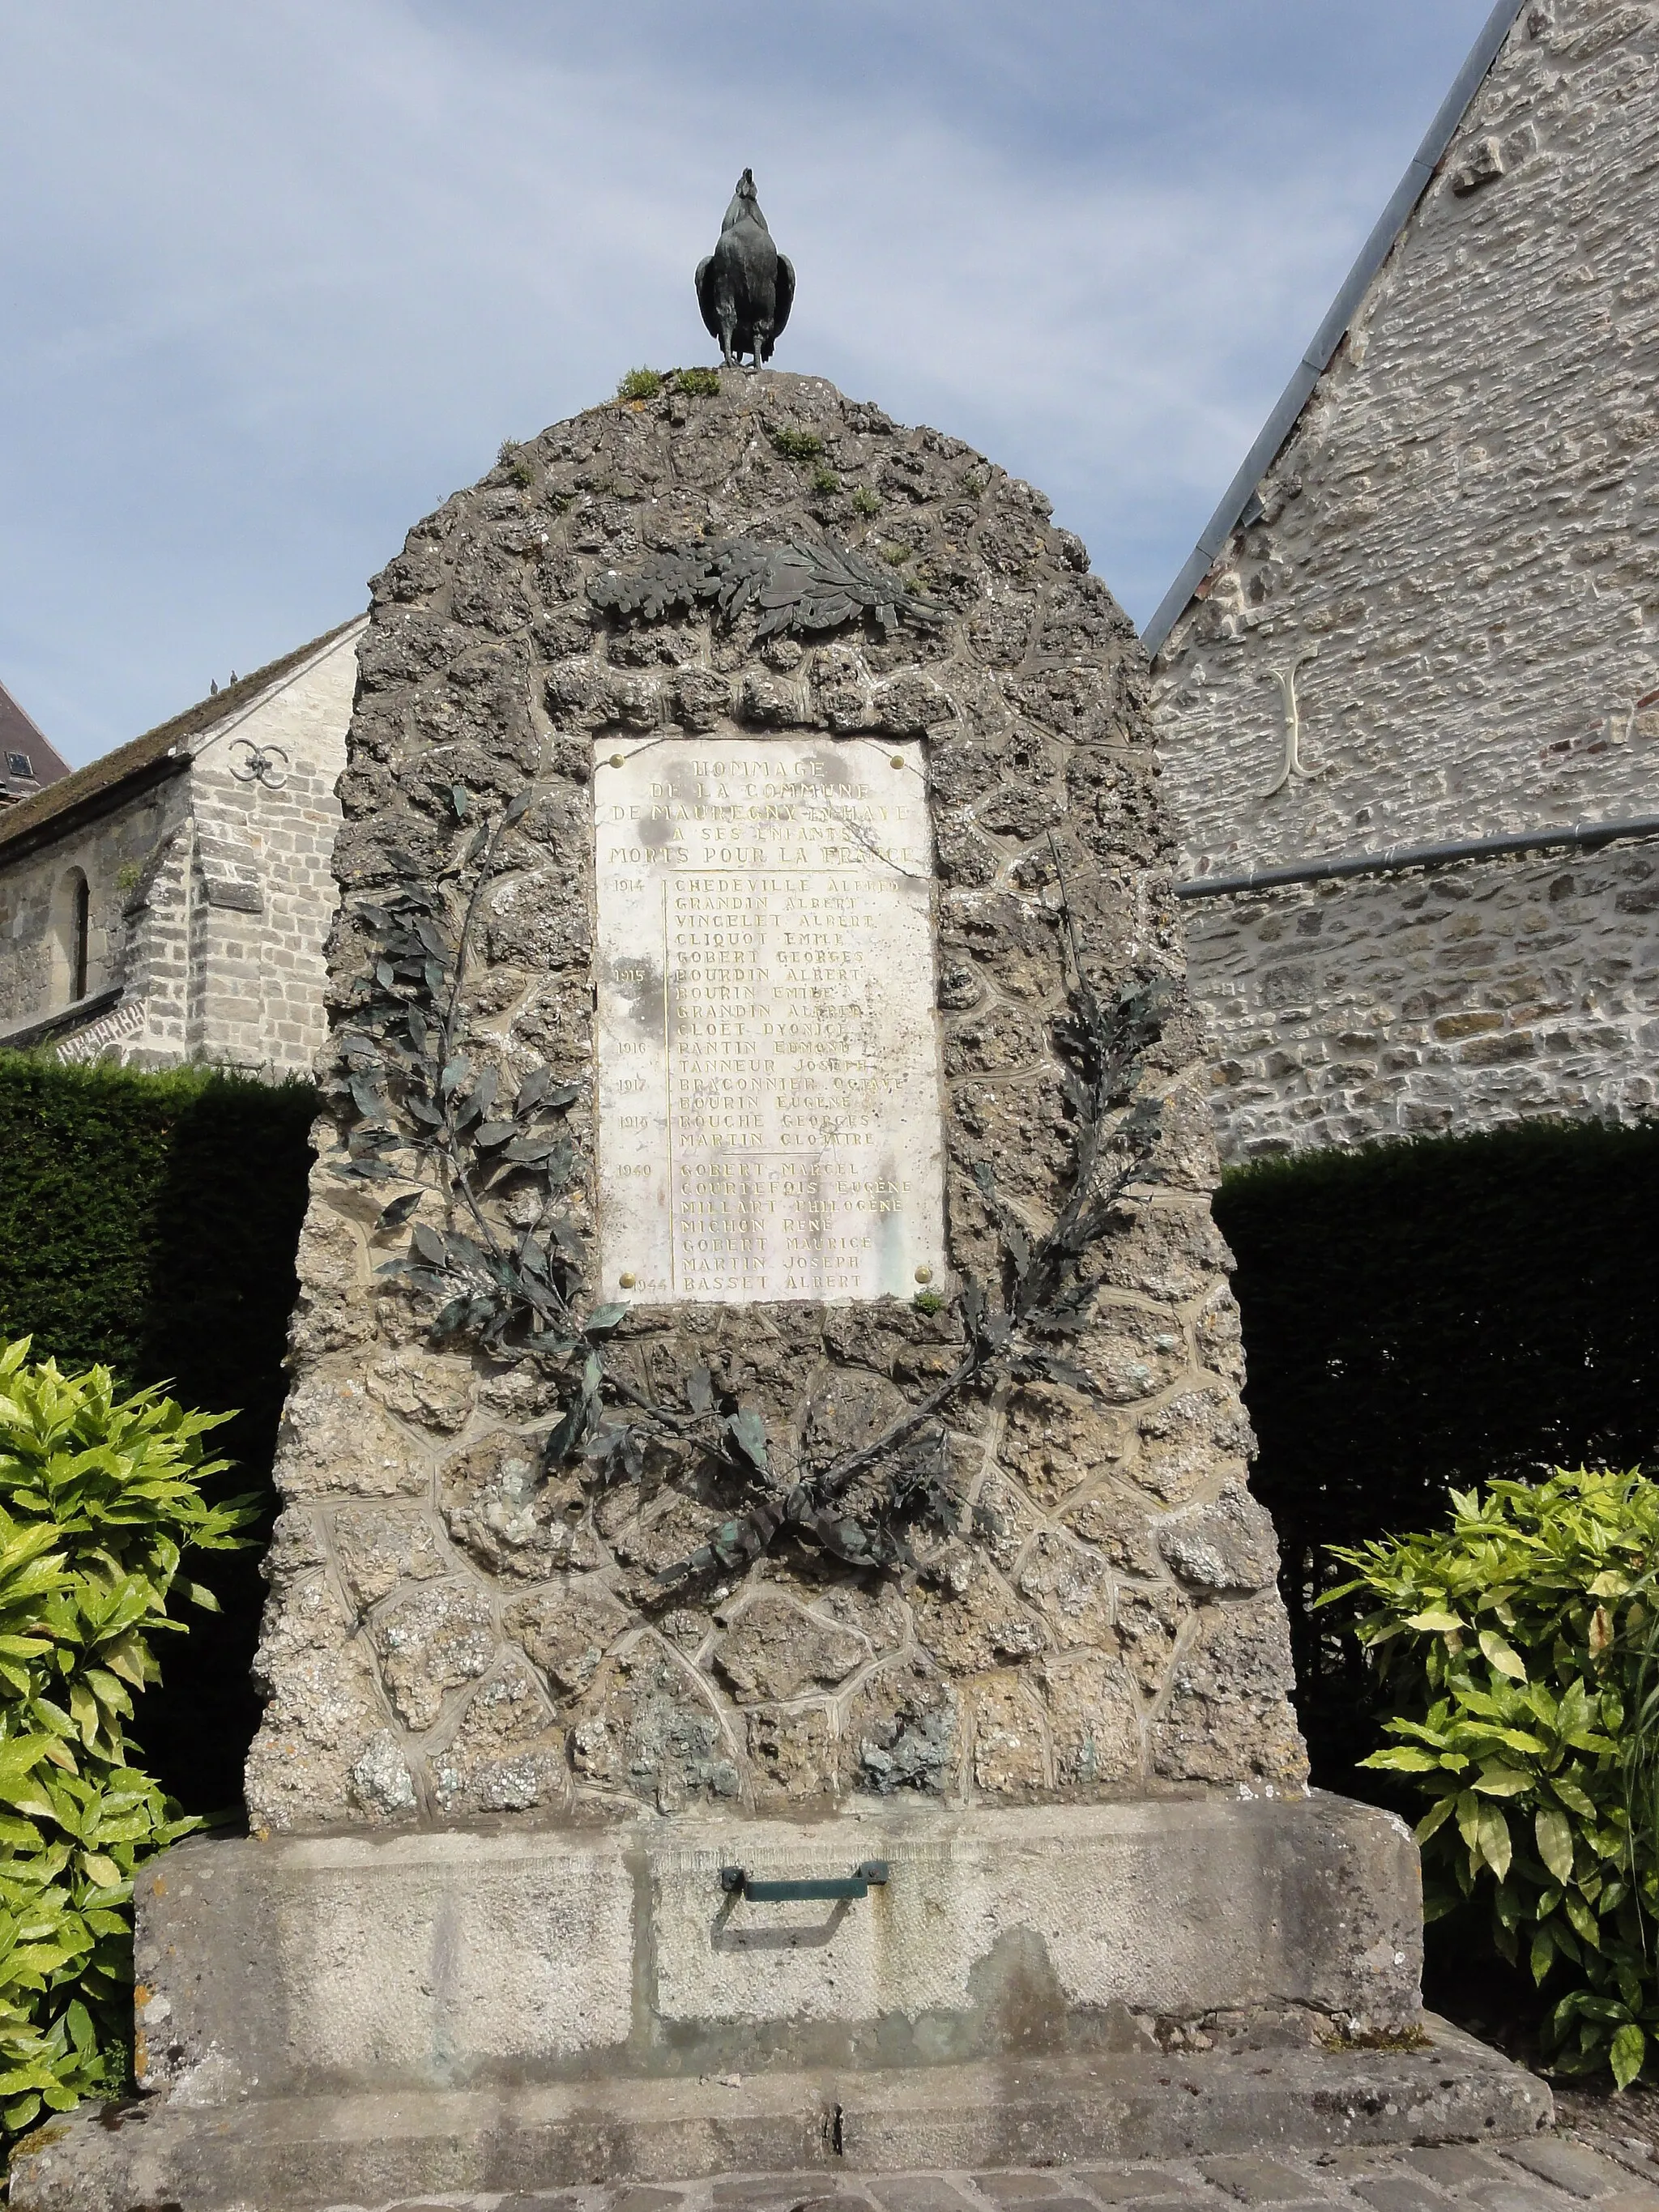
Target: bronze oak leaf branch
{"x":418,"y":1112}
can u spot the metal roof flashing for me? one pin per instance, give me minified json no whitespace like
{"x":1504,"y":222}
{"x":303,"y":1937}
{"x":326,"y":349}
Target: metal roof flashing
{"x":1385,"y":235}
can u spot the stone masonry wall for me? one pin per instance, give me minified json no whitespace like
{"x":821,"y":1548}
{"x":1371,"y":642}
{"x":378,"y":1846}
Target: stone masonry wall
{"x":454,"y":1629}
{"x":1458,"y":553}
{"x":262,"y":891}
{"x":1451,"y":1000}
{"x":115,"y":852}
{"x":210,"y":894}
{"x":1444,"y":623}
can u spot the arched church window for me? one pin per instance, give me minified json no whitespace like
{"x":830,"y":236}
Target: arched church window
{"x":71,"y":933}
{"x":80,"y":928}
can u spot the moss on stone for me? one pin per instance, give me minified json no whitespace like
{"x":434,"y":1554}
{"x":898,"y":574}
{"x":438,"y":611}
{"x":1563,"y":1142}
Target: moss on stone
{"x":797,"y":445}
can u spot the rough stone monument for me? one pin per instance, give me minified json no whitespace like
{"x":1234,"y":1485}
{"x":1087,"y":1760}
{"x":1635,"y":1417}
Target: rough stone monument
{"x":771,"y":1655}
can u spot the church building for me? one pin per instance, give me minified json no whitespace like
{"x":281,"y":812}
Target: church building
{"x":1408,"y":682}
{"x":169,"y":901}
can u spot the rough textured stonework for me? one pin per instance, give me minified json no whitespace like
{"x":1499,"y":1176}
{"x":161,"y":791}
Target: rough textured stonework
{"x":36,"y":907}
{"x":1455,"y":1000}
{"x":210,"y":892}
{"x":452,"y":1629}
{"x":1445,"y":622}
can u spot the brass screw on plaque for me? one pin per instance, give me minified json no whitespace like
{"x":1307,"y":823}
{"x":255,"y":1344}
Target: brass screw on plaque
{"x":626,"y":1281}
{"x":618,"y":760}
{"x":924,"y":1275}
{"x":896,"y":761}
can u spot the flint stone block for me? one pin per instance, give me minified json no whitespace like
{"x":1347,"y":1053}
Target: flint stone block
{"x":1228,"y":1546}
{"x":506,"y":1756}
{"x":1227,"y":1711}
{"x":775,"y":1650}
{"x":333,"y":1438}
{"x":429,"y":1644}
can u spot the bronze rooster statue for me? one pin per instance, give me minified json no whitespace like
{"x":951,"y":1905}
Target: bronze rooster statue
{"x":746,"y":287}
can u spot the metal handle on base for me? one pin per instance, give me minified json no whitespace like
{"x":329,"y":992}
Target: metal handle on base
{"x":859,"y":1883}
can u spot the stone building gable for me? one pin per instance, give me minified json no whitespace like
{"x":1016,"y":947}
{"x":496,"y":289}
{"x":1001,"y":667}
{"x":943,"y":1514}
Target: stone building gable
{"x":1437,"y":620}
{"x":28,"y":761}
{"x":203,"y":848}
{"x":1455,"y":559}
{"x":458,"y":1626}
{"x":157,"y":752}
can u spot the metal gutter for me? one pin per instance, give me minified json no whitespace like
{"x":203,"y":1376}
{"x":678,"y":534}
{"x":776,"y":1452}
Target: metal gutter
{"x":1582,"y":837}
{"x":1331,"y":332}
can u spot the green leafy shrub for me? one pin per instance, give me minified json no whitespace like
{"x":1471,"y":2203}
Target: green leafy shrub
{"x":865,"y":502}
{"x":1426,"y":1317}
{"x":99,"y":1495}
{"x":147,"y":1224}
{"x":639,"y":384}
{"x":1512,"y":1650}
{"x":824,"y":482}
{"x":699,"y":383}
{"x":797,"y":445}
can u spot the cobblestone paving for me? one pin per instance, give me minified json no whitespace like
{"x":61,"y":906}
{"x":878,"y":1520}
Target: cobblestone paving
{"x":1549,"y":2173}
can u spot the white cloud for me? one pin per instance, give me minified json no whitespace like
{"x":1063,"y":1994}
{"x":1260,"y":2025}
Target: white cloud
{"x":278,"y":278}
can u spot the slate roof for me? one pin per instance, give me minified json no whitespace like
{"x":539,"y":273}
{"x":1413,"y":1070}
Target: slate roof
{"x":22,"y":740}
{"x":1331,"y":332}
{"x":165,"y":750}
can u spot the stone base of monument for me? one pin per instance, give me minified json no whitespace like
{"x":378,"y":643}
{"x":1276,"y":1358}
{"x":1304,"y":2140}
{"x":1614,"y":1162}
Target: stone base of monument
{"x":350,"y":2020}
{"x":304,"y":2154}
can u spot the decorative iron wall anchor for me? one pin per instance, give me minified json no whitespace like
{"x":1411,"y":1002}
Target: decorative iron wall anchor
{"x":1292,"y":762}
{"x":252,"y":763}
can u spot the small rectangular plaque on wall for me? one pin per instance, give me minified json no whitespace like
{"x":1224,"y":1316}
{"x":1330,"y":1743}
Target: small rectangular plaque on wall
{"x":771,"y":1119}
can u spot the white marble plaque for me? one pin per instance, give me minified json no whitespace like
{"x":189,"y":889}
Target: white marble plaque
{"x":770,"y":1122}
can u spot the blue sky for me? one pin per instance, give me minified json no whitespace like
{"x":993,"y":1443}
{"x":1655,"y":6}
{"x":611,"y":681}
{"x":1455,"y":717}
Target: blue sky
{"x":275,"y":279}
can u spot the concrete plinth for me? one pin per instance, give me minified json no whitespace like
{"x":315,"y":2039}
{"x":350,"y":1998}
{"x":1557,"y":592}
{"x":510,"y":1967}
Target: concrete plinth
{"x":456,"y":1959}
{"x":305,"y":2154}
{"x":347,"y":2019}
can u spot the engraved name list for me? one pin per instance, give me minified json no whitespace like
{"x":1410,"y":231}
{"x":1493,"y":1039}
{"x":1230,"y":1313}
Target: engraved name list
{"x":770,"y":1111}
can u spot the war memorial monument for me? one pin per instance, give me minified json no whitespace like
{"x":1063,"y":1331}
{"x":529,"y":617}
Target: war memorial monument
{"x":771,"y":1660}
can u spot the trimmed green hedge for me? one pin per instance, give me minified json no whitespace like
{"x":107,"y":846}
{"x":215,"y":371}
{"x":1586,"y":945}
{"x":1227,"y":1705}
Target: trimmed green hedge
{"x":1429,"y":1315}
{"x":148,"y":1223}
